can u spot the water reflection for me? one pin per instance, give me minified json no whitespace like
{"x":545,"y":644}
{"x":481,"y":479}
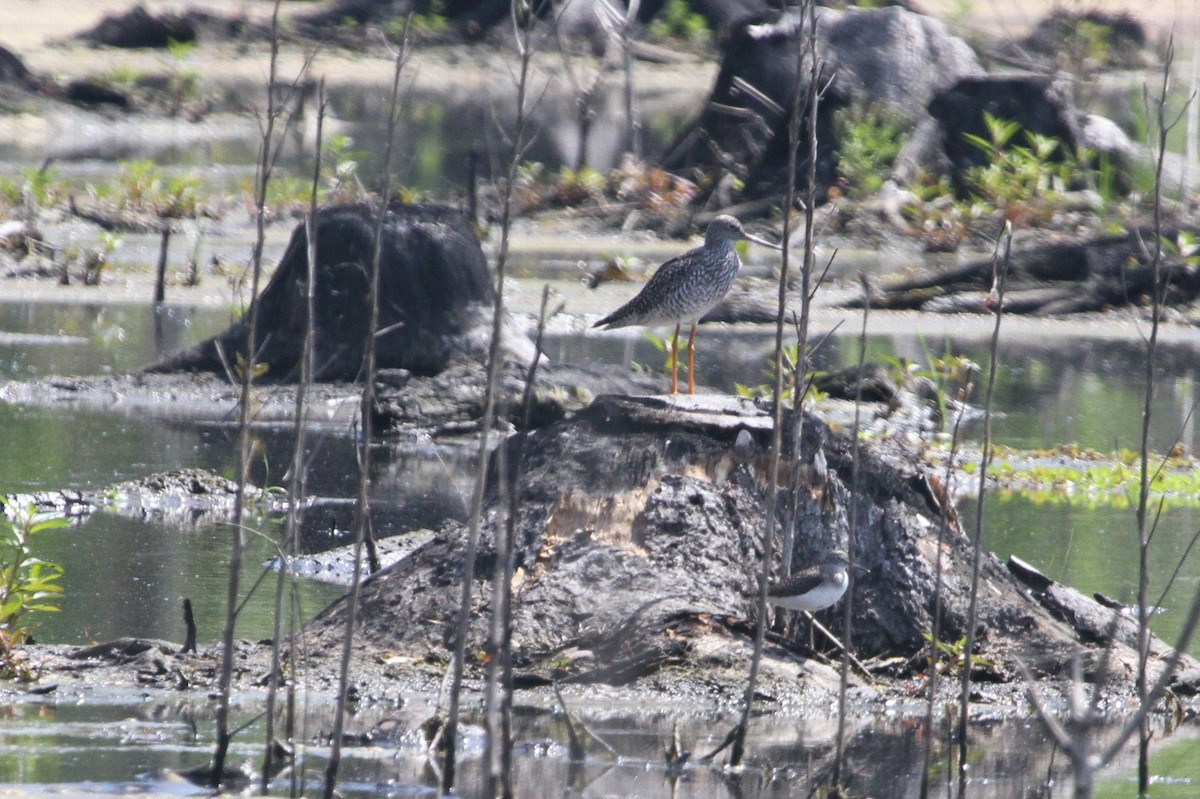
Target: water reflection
{"x":1094,"y":549}
{"x":149,"y":566}
{"x":1063,"y":390}
{"x":1050,"y":392}
{"x":147,"y":571}
{"x":50,"y":338}
{"x":1067,"y":390}
{"x":109,"y":743}
{"x":436,"y":129}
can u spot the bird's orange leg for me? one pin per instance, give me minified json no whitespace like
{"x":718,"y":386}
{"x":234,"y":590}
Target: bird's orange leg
{"x":675,"y":361}
{"x":692,"y":360}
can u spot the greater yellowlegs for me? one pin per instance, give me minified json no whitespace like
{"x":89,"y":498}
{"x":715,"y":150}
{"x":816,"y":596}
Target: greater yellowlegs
{"x":814,"y":588}
{"x":685,"y":288}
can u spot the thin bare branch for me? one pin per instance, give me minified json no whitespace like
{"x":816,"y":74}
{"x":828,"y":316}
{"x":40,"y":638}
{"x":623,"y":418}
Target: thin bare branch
{"x":522,"y":20}
{"x":1000,"y":266}
{"x":362,"y":514}
{"x":244,"y":445}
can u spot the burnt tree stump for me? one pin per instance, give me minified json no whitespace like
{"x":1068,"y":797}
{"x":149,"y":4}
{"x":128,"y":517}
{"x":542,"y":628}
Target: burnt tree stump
{"x":138,"y":28}
{"x":639,"y":537}
{"x":1039,"y":104}
{"x":743,"y":129}
{"x":435,"y":293}
{"x":887,"y":58}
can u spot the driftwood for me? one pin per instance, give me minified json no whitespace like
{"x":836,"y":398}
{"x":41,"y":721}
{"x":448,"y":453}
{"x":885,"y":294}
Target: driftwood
{"x":118,"y":220}
{"x":1071,"y":277}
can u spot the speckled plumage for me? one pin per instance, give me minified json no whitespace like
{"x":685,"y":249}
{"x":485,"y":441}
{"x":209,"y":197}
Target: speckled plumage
{"x":687,"y":287}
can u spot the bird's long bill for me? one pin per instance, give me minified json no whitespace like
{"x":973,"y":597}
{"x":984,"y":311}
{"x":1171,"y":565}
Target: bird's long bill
{"x":763,"y":242}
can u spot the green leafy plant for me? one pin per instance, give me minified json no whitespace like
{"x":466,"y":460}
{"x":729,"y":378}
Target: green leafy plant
{"x":142,"y":187}
{"x":123,"y":76}
{"x":1072,"y":475}
{"x":677,"y":21}
{"x":41,"y":186}
{"x":950,"y":376}
{"x":937,"y":215}
{"x":95,"y":260}
{"x":952,"y":656}
{"x":183,"y":82}
{"x":577,"y":186}
{"x":1094,"y":41}
{"x":869,"y":143}
{"x":1185,"y":247}
{"x":429,"y":24}
{"x":180,"y":50}
{"x":1023,"y":181}
{"x":766,"y":389}
{"x":27,"y":585}
{"x":239,"y":367}
{"x":663,"y":345}
{"x":1085,"y":43}
{"x":341,"y":164}
{"x":287,"y":195}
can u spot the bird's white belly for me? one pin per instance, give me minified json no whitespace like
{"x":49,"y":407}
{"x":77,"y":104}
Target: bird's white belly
{"x":822,"y":597}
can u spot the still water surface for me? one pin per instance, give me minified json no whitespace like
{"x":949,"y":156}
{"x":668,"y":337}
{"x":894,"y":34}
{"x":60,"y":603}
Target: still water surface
{"x":128,"y":576}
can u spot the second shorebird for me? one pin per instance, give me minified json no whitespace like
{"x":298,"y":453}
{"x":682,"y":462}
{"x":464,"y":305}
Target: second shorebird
{"x":685,"y":288}
{"x":814,"y":588}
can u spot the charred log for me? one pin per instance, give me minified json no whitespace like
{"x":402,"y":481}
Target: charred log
{"x":138,"y":28}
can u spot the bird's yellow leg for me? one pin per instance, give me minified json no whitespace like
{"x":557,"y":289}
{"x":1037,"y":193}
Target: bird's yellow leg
{"x":692,"y":360}
{"x":675,"y":361}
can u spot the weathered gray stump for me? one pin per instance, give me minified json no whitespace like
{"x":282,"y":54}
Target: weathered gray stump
{"x":639,"y":540}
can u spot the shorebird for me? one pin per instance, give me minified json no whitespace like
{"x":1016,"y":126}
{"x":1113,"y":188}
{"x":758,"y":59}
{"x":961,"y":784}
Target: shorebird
{"x":685,"y":288}
{"x":814,"y":588}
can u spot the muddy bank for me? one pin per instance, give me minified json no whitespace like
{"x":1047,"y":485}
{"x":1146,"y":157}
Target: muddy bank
{"x":184,"y":498}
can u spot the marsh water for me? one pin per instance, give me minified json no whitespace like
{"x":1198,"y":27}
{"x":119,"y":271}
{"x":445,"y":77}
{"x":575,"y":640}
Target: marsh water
{"x":128,"y":576}
{"x":1071,"y":389}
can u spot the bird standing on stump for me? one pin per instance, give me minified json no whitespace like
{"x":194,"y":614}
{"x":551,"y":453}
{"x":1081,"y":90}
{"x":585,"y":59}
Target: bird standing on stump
{"x":814,"y":588}
{"x":685,"y":288}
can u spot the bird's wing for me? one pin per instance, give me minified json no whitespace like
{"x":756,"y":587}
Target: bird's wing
{"x":798,"y":583}
{"x":668,"y":274}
